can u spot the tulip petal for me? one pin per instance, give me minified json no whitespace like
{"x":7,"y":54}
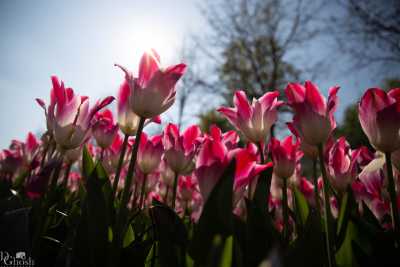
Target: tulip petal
{"x":149,"y":64}
{"x":242,"y":105}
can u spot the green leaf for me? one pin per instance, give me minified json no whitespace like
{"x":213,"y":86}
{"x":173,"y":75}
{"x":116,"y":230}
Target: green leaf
{"x":189,"y":261}
{"x":260,"y":234}
{"x":171,"y":234}
{"x":97,"y":218}
{"x":309,"y":247}
{"x":136,"y":253}
{"x":345,"y":255}
{"x":129,"y":236}
{"x":262,"y":190}
{"x":110,"y":234}
{"x":151,"y":259}
{"x":87,"y":163}
{"x":168,"y":224}
{"x":301,"y":206}
{"x":216,"y":217}
{"x":20,"y":180}
{"x":346,"y":206}
{"x":226,"y":257}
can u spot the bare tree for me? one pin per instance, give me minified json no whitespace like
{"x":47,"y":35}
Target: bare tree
{"x":192,"y":83}
{"x":252,"y":41}
{"x":368,"y":31}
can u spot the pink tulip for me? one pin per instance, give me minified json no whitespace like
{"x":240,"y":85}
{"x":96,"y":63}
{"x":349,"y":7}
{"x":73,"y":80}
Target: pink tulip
{"x":30,"y":152}
{"x":180,"y":149}
{"x":114,"y":151}
{"x":31,"y":144}
{"x":74,"y":180}
{"x":307,"y":188}
{"x":68,"y":115}
{"x":364,"y":156}
{"x":104,"y":130}
{"x":149,"y":153}
{"x":215,"y":153}
{"x":342,"y":167}
{"x":166,"y":174}
{"x":371,"y":190}
{"x":313,"y":118}
{"x":379,"y":114}
{"x":196,"y":206}
{"x":255,"y":120}
{"x":187,"y":187}
{"x":285,"y":156}
{"x":310,"y":151}
{"x":247,"y":167}
{"x":153,"y":92}
{"x":10,"y":161}
{"x":128,"y":121}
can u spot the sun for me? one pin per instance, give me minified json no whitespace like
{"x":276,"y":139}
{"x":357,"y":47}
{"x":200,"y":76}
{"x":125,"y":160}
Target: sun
{"x":129,"y":46}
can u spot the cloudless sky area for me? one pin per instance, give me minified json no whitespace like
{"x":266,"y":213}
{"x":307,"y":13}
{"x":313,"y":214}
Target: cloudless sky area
{"x":79,"y":41}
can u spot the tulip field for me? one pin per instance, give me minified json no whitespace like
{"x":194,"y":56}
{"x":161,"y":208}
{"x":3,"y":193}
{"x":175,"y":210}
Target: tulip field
{"x":97,"y":189}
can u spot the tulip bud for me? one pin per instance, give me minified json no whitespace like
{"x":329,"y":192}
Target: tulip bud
{"x":342,"y":166}
{"x":247,"y":169}
{"x":153,"y":92}
{"x":181,"y":149}
{"x":149,"y":153}
{"x":215,"y":153}
{"x":379,"y":114}
{"x":285,"y":155}
{"x":128,"y":121}
{"x":255,"y":120}
{"x":104,"y":130}
{"x":187,"y":185}
{"x":313,"y":118}
{"x":68,"y":115}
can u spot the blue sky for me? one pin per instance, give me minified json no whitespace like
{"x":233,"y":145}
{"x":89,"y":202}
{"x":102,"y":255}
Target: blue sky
{"x":81,"y":40}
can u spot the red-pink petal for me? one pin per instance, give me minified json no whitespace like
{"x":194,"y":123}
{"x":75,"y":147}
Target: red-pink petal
{"x":315,"y":99}
{"x":123,"y":97}
{"x":41,"y":103}
{"x":149,"y":64}
{"x":230,"y":113}
{"x":268,"y":99}
{"x":295,"y":93}
{"x":189,"y":136}
{"x":242,"y":105}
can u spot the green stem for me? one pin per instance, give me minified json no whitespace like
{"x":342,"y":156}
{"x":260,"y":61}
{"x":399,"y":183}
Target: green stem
{"x":102,"y":154}
{"x":142,"y":191}
{"x":44,"y":156}
{"x":135,"y":191}
{"x":166,"y":195}
{"x":261,"y":150}
{"x":119,"y":167}
{"x":66,"y":175}
{"x":285,"y":210}
{"x":328,"y":215}
{"x":316,"y":194}
{"x":174,"y":190}
{"x":43,"y":207}
{"x":392,"y":193}
{"x":120,"y":225}
{"x":56,"y":174}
